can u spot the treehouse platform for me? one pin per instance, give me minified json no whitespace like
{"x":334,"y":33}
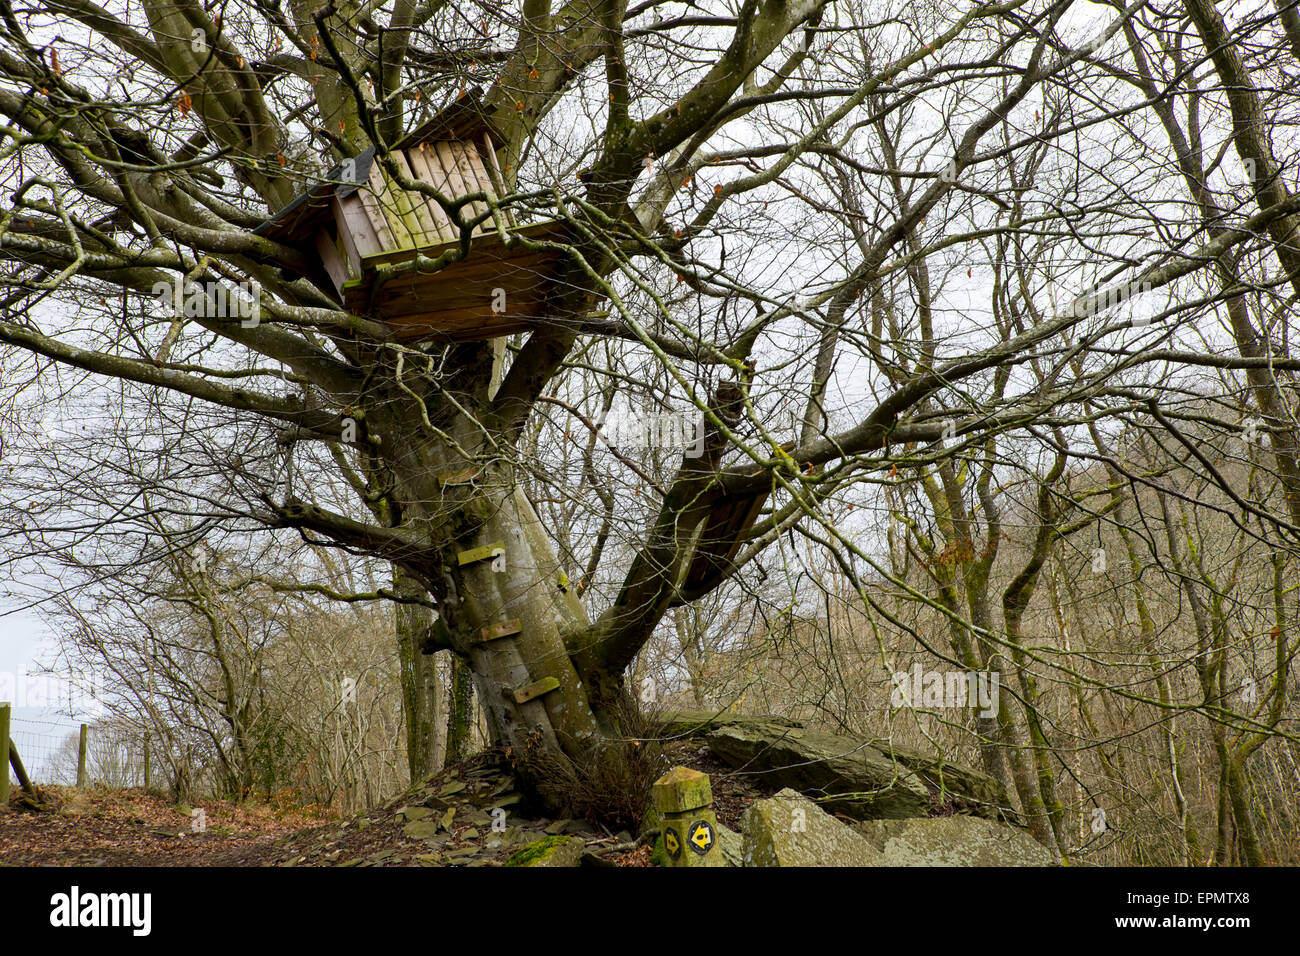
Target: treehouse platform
{"x":359,"y":224}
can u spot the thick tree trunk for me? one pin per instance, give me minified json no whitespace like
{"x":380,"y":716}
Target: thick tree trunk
{"x":504,"y":614}
{"x":520,"y":586}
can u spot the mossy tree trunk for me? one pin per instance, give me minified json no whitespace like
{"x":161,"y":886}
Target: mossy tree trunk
{"x":460,"y":711}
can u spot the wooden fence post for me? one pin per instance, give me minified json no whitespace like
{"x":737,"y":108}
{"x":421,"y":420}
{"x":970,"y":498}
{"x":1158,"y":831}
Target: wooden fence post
{"x":81,"y":760}
{"x":4,"y":756}
{"x":684,"y":798}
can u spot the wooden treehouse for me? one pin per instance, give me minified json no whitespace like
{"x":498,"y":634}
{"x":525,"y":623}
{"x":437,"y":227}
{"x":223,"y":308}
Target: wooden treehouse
{"x":357,"y":220}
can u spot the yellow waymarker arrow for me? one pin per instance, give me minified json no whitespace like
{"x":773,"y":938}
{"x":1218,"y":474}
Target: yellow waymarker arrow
{"x":670,"y":841}
{"x":702,"y":837}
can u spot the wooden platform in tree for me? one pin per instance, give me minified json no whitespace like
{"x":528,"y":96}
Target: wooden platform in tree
{"x":457,"y":302}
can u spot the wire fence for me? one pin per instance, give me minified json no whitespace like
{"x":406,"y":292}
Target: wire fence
{"x":48,"y":749}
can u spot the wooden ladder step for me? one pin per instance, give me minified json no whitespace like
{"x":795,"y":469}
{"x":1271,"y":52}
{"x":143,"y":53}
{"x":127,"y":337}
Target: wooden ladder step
{"x":462,"y":477}
{"x":501,"y":629}
{"x":536,"y":689}
{"x":481,"y":554}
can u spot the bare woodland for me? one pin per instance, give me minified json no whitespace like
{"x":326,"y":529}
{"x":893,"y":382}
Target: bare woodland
{"x":983,"y":311}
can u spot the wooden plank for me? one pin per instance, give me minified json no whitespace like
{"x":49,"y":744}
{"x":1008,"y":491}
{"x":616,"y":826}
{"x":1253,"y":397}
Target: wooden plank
{"x":398,"y":212}
{"x":371,"y":202}
{"x":553,"y":229}
{"x":493,"y":170}
{"x":459,"y":290}
{"x":470,"y":166}
{"x":426,"y":331}
{"x":481,"y":554}
{"x":536,"y":689}
{"x":368,"y":196}
{"x":423,"y":218}
{"x":5,"y":712}
{"x":493,"y":632}
{"x":81,"y":759}
{"x":440,"y":178}
{"x":525,"y":265}
{"x":449,"y":159}
{"x":331,"y":260}
{"x":399,"y":298}
{"x":426,"y":173}
{"x":462,"y":477}
{"x":356,"y":232}
{"x":441,"y":154}
{"x":470,"y":294}
{"x":474,"y":172}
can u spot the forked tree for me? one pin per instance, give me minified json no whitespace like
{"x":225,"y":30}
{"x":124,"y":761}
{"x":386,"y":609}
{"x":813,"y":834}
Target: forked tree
{"x":446,"y":215}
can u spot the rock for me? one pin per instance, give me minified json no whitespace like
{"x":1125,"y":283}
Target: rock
{"x":883,"y":780}
{"x":823,"y":765}
{"x":421,"y":829}
{"x":456,"y":786}
{"x":732,"y":846}
{"x":447,"y":818}
{"x":791,"y":830}
{"x":411,"y":814}
{"x":966,"y":789}
{"x":954,"y":841}
{"x":428,"y":859}
{"x":696,"y":723}
{"x":557,"y":827}
{"x":554,"y":851}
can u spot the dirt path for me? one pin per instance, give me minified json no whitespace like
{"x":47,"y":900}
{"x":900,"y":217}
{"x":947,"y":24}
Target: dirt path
{"x":131,"y":828}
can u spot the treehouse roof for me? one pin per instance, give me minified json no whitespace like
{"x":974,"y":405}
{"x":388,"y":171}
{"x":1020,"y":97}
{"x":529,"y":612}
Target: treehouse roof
{"x":309,"y":211}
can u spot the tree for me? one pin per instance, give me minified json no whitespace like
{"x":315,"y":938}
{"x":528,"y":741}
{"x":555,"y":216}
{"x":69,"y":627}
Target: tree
{"x":765,"y":212}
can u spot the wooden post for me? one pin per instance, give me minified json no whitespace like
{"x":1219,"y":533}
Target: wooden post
{"x":81,"y":760}
{"x":684,"y":799}
{"x":20,"y":771}
{"x":4,"y":757}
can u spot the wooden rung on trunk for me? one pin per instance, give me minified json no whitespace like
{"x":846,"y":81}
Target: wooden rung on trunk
{"x":462,"y":477}
{"x":536,"y":689}
{"x":502,"y":629}
{"x":481,"y":554}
